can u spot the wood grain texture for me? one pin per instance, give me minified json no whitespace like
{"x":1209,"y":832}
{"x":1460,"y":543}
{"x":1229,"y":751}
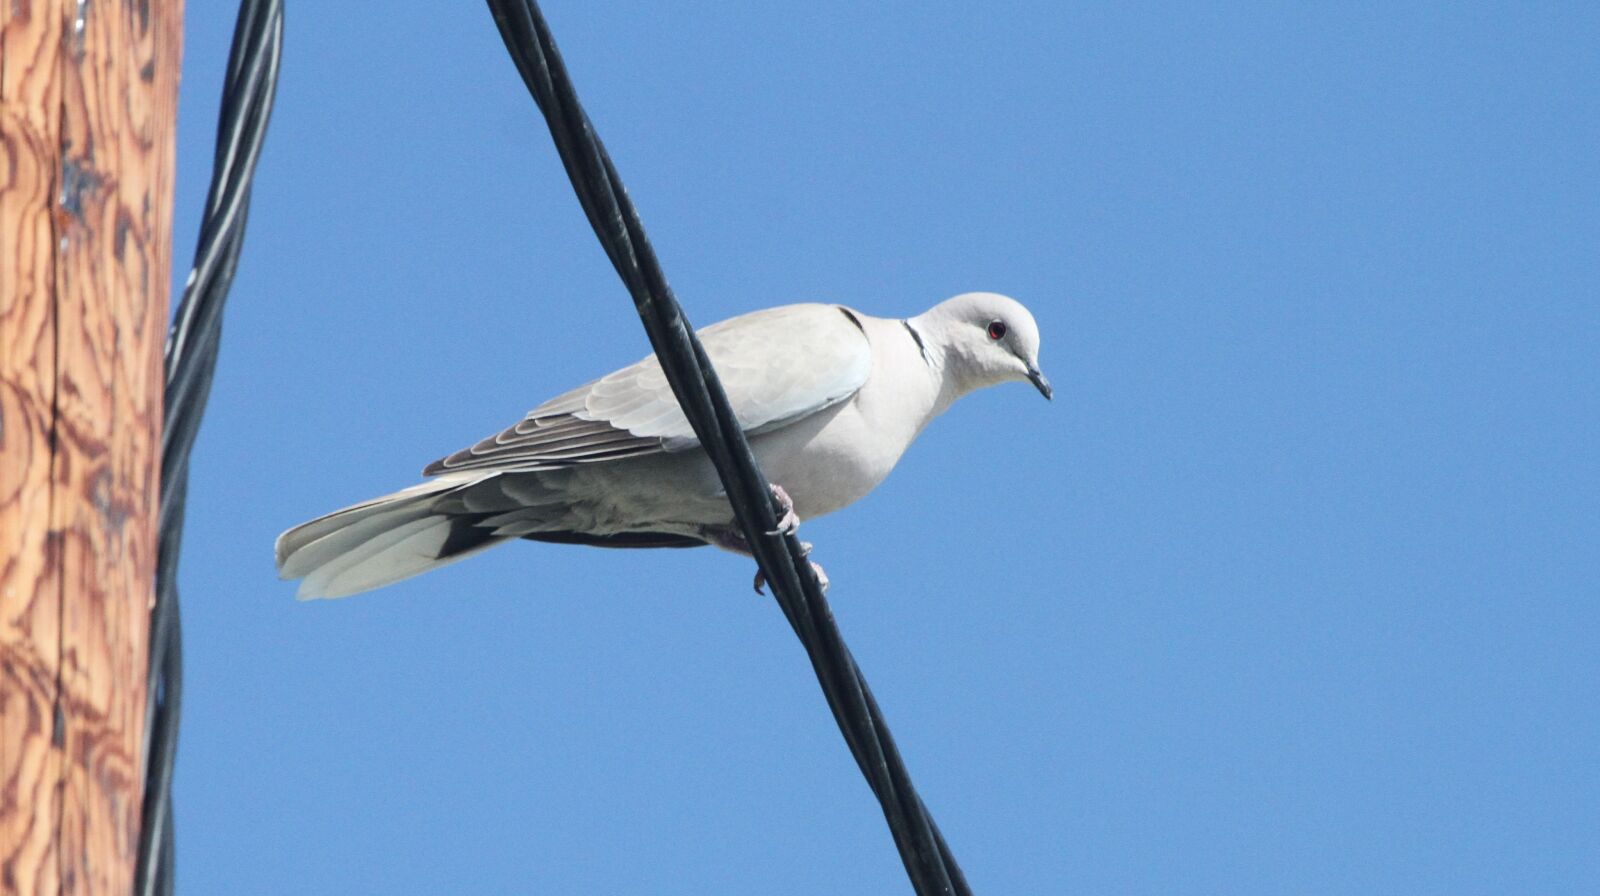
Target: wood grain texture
{"x":88,"y":94}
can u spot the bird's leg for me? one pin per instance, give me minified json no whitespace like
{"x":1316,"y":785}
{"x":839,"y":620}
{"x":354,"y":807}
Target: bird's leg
{"x":729,"y":538}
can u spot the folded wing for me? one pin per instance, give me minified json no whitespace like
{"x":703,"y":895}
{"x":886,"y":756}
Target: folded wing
{"x":777,"y":366}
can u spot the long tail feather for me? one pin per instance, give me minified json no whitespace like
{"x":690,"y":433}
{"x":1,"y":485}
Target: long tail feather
{"x":382,"y":541}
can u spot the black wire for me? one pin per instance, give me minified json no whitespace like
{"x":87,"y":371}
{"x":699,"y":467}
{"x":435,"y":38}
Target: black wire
{"x":191,"y":362}
{"x":928,"y":860}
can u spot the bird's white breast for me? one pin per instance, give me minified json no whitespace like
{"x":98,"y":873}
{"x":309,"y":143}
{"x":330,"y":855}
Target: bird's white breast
{"x":834,"y":458}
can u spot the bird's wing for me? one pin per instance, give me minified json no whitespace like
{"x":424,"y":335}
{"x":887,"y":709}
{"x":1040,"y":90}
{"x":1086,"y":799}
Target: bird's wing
{"x":777,"y":366}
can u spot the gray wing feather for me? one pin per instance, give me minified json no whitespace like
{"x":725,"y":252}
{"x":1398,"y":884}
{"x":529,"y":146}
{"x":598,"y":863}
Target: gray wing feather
{"x":777,"y":366}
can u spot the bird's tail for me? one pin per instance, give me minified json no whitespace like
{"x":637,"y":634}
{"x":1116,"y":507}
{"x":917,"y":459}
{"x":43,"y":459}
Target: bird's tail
{"x":382,"y":541}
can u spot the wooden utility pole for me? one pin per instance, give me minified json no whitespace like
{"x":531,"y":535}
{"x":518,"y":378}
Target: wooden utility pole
{"x":88,"y":103}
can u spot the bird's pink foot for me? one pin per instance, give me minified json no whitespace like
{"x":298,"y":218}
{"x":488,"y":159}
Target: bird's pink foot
{"x":788,"y":521}
{"x":731,"y":538}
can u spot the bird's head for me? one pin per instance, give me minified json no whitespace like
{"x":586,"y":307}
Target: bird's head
{"x":987,"y":339}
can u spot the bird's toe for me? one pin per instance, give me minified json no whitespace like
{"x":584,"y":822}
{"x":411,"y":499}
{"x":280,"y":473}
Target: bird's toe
{"x":788,"y":520}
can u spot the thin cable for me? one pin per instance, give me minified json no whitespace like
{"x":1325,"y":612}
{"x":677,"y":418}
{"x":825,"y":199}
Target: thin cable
{"x":928,"y":860}
{"x":191,"y":362}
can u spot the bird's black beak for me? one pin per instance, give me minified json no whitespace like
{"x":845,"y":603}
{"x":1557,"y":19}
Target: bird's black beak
{"x":1040,"y":383}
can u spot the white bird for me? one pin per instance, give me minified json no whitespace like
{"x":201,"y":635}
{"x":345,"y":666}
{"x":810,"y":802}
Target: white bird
{"x":829,"y":397}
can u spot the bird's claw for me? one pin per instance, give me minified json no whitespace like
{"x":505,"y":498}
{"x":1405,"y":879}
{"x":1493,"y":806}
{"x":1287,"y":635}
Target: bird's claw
{"x":789,"y":521}
{"x":760,"y":582}
{"x":822,"y":577}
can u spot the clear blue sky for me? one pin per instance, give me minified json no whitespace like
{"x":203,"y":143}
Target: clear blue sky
{"x":1292,"y":589}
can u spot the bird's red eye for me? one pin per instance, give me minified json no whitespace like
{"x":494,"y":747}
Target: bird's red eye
{"x":997,"y":330}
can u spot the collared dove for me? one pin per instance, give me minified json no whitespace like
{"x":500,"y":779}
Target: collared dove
{"x":829,"y":397}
